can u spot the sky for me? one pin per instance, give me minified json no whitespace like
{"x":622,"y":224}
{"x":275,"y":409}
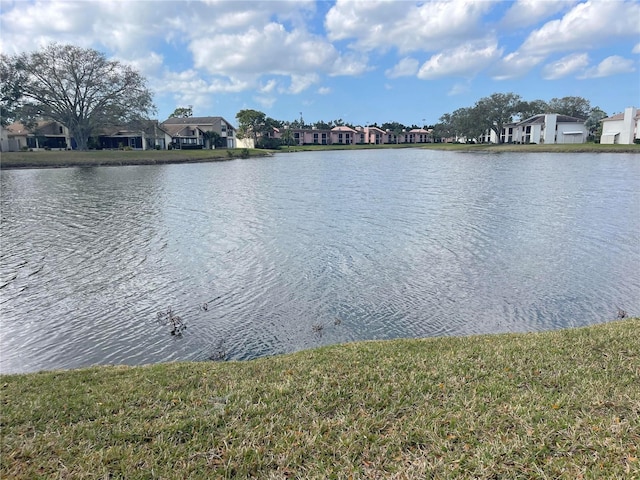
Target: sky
{"x":362,"y":61}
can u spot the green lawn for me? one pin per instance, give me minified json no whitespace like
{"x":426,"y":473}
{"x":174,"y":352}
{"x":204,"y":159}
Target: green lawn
{"x":562,"y":404}
{"x":120,"y":157}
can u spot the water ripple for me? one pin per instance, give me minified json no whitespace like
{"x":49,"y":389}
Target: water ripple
{"x":309,"y":249}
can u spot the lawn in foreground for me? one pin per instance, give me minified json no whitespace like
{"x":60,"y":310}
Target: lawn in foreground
{"x":562,"y":404}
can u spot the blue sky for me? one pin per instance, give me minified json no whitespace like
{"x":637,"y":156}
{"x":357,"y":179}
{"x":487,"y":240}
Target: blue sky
{"x":363,"y":61}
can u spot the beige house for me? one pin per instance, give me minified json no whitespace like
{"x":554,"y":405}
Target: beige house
{"x":623,"y":128}
{"x":147,"y":135}
{"x":190,"y":132}
{"x":46,"y":135}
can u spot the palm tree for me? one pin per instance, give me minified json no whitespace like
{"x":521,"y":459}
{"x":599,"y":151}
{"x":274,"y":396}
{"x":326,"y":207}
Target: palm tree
{"x":211,"y":138}
{"x":287,"y":137}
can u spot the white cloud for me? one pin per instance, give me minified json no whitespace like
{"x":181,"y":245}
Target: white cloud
{"x":515,"y":65}
{"x":404,"y":68}
{"x":524,"y":13}
{"x":612,"y":65}
{"x":587,"y":25}
{"x":324,"y":90}
{"x":299,"y":83}
{"x":565,"y":66}
{"x":268,"y":87}
{"x":406,"y":26}
{"x":636,"y":48}
{"x":465,"y":60}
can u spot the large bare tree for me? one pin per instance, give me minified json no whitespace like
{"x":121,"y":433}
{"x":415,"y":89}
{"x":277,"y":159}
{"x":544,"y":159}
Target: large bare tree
{"x":81,"y":89}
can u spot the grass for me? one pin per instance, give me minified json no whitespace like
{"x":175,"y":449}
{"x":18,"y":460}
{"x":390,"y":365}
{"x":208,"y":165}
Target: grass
{"x":93,"y":158}
{"x":52,"y":159}
{"x":562,"y":404}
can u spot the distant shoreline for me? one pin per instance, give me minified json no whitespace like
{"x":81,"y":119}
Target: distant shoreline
{"x":102,"y":158}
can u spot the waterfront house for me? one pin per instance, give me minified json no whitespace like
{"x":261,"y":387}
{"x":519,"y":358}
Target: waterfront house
{"x":190,"y":132}
{"x":146,"y":135}
{"x":45,"y":135}
{"x":549,"y":128}
{"x":623,"y":128}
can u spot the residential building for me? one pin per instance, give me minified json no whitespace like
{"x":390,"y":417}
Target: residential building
{"x":45,"y":135}
{"x":623,"y":128}
{"x":147,"y":135}
{"x":549,"y":128}
{"x":190,"y":132}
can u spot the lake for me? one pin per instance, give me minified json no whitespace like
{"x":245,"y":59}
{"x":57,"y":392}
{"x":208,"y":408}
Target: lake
{"x":273,"y":255}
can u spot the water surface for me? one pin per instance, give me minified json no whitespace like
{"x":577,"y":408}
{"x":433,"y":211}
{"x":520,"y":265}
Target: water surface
{"x":306,"y":249}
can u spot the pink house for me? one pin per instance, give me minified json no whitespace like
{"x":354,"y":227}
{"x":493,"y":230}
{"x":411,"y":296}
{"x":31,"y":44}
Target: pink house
{"x":343,"y":135}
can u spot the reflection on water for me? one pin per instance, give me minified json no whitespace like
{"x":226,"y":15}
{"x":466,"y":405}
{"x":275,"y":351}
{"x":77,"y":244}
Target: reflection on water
{"x":307,"y":249}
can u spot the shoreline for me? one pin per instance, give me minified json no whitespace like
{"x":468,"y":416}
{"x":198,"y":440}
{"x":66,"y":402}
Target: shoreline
{"x":120,"y":158}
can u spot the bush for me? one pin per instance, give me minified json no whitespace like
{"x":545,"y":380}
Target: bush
{"x":244,"y":153}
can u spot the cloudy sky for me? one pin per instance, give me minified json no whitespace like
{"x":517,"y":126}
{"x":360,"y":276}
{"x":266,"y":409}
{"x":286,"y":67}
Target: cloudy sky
{"x":360,"y":60}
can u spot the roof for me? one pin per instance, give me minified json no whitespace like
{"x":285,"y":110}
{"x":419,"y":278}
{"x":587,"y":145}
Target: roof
{"x":195,"y":121}
{"x":620,"y":116}
{"x":43,"y":127}
{"x":174,"y":130}
{"x":147,"y":126}
{"x":540,"y":118}
{"x":343,"y":128}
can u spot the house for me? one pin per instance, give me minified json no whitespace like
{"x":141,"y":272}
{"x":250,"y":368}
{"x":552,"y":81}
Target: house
{"x":343,"y":135}
{"x":370,"y":135}
{"x":623,"y":128}
{"x":191,"y":132}
{"x":546,"y":128}
{"x":45,"y":135}
{"x":147,"y":135}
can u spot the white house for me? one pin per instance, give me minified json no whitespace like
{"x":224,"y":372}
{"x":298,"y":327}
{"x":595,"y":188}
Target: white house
{"x":546,"y":128}
{"x":623,"y":128}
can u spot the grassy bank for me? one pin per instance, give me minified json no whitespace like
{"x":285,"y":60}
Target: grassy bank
{"x":562,"y":404}
{"x":94,"y":158}
{"x":53,"y":159}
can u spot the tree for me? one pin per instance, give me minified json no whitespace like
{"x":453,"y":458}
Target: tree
{"x":211,"y":138}
{"x":572,"y":106}
{"x":11,"y":81}
{"x":497,"y":110}
{"x":287,"y":137}
{"x":594,"y":122}
{"x":182,"y":112}
{"x":322,"y":125}
{"x":80,"y":89}
{"x":529,"y":109}
{"x":467,"y":122}
{"x":251,"y":123}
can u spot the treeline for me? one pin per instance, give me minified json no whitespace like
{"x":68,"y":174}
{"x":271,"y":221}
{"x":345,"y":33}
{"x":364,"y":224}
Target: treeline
{"x":494,"y":112}
{"x":488,"y":114}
